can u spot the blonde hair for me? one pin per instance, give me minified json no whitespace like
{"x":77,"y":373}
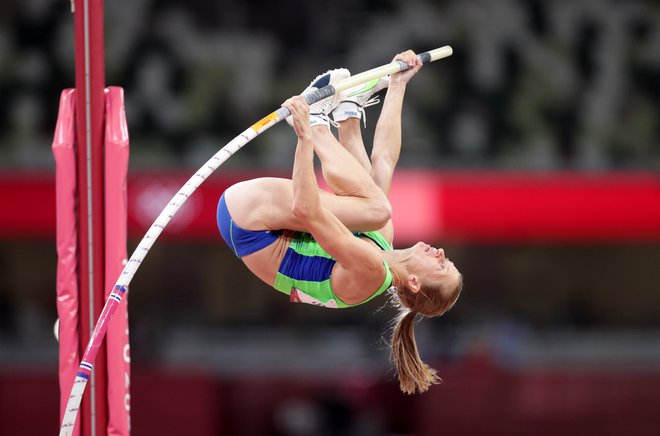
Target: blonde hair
{"x":414,"y":375}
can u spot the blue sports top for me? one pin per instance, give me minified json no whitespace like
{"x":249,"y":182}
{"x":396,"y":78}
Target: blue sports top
{"x":304,"y":273}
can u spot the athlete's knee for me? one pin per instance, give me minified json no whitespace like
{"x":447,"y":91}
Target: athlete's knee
{"x":380,"y":210}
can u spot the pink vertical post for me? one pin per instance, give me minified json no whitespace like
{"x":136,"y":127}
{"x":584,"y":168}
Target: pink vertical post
{"x":117,"y":339}
{"x":90,"y":84}
{"x":67,"y":245}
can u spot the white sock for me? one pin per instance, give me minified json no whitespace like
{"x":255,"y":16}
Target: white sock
{"x":314,"y":120}
{"x":319,"y":119}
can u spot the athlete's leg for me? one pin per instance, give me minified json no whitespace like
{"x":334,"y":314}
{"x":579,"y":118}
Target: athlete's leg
{"x":344,"y":175}
{"x":341,"y":170}
{"x":350,"y":136}
{"x":338,"y":168}
{"x":357,"y":201}
{"x":350,"y":112}
{"x":265,"y":204}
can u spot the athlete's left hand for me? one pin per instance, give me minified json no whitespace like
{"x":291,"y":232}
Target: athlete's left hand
{"x":300,"y":112}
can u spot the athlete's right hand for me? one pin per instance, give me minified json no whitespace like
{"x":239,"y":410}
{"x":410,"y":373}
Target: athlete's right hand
{"x":300,"y":113}
{"x":402,"y":78}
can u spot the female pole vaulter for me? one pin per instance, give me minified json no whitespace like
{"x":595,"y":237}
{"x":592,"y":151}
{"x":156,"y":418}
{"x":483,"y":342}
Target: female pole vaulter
{"x":335,"y":249}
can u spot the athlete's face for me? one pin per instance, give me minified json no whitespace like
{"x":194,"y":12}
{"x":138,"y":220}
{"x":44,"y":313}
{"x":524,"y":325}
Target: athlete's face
{"x":431,"y":264}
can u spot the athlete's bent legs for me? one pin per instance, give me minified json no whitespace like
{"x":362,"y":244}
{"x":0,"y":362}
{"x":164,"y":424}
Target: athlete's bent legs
{"x":342,"y":170}
{"x":265,"y":204}
{"x":350,"y":136}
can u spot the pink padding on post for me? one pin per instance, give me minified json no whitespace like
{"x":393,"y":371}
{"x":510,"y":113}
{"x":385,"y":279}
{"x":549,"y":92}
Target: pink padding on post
{"x":67,"y":253}
{"x":117,"y":345}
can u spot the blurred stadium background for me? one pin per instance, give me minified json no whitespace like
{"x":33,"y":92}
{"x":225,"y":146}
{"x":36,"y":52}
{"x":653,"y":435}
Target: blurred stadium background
{"x":558,"y":328}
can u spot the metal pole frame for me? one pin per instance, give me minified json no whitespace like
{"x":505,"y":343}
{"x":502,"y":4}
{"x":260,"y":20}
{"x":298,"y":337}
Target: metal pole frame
{"x":90,"y":84}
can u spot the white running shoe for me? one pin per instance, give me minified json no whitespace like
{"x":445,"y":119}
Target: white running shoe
{"x":353,"y":101}
{"x":319,"y":111}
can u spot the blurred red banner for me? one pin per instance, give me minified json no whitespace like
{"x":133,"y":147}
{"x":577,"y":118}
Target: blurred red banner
{"x":454,"y":207}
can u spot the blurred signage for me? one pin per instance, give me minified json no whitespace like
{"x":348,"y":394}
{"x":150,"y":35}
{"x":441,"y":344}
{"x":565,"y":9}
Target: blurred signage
{"x":458,"y":207}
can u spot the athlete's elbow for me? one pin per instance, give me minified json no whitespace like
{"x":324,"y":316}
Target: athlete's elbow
{"x":302,"y":211}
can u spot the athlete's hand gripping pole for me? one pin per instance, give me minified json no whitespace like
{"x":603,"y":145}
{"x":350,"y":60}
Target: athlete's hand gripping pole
{"x":121,"y":286}
{"x":375,"y":73}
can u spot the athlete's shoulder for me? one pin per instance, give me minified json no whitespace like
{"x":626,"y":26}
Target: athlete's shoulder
{"x":378,"y":238}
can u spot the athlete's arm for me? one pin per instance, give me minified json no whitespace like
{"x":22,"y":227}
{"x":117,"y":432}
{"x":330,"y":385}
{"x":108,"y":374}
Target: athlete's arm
{"x":387,"y":137}
{"x":358,"y":258}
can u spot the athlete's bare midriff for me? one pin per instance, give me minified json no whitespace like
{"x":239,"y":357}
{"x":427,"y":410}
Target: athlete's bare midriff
{"x":265,"y":262}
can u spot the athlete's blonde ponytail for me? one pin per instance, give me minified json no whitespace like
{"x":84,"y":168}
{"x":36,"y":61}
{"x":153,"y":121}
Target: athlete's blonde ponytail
{"x":415,"y":375}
